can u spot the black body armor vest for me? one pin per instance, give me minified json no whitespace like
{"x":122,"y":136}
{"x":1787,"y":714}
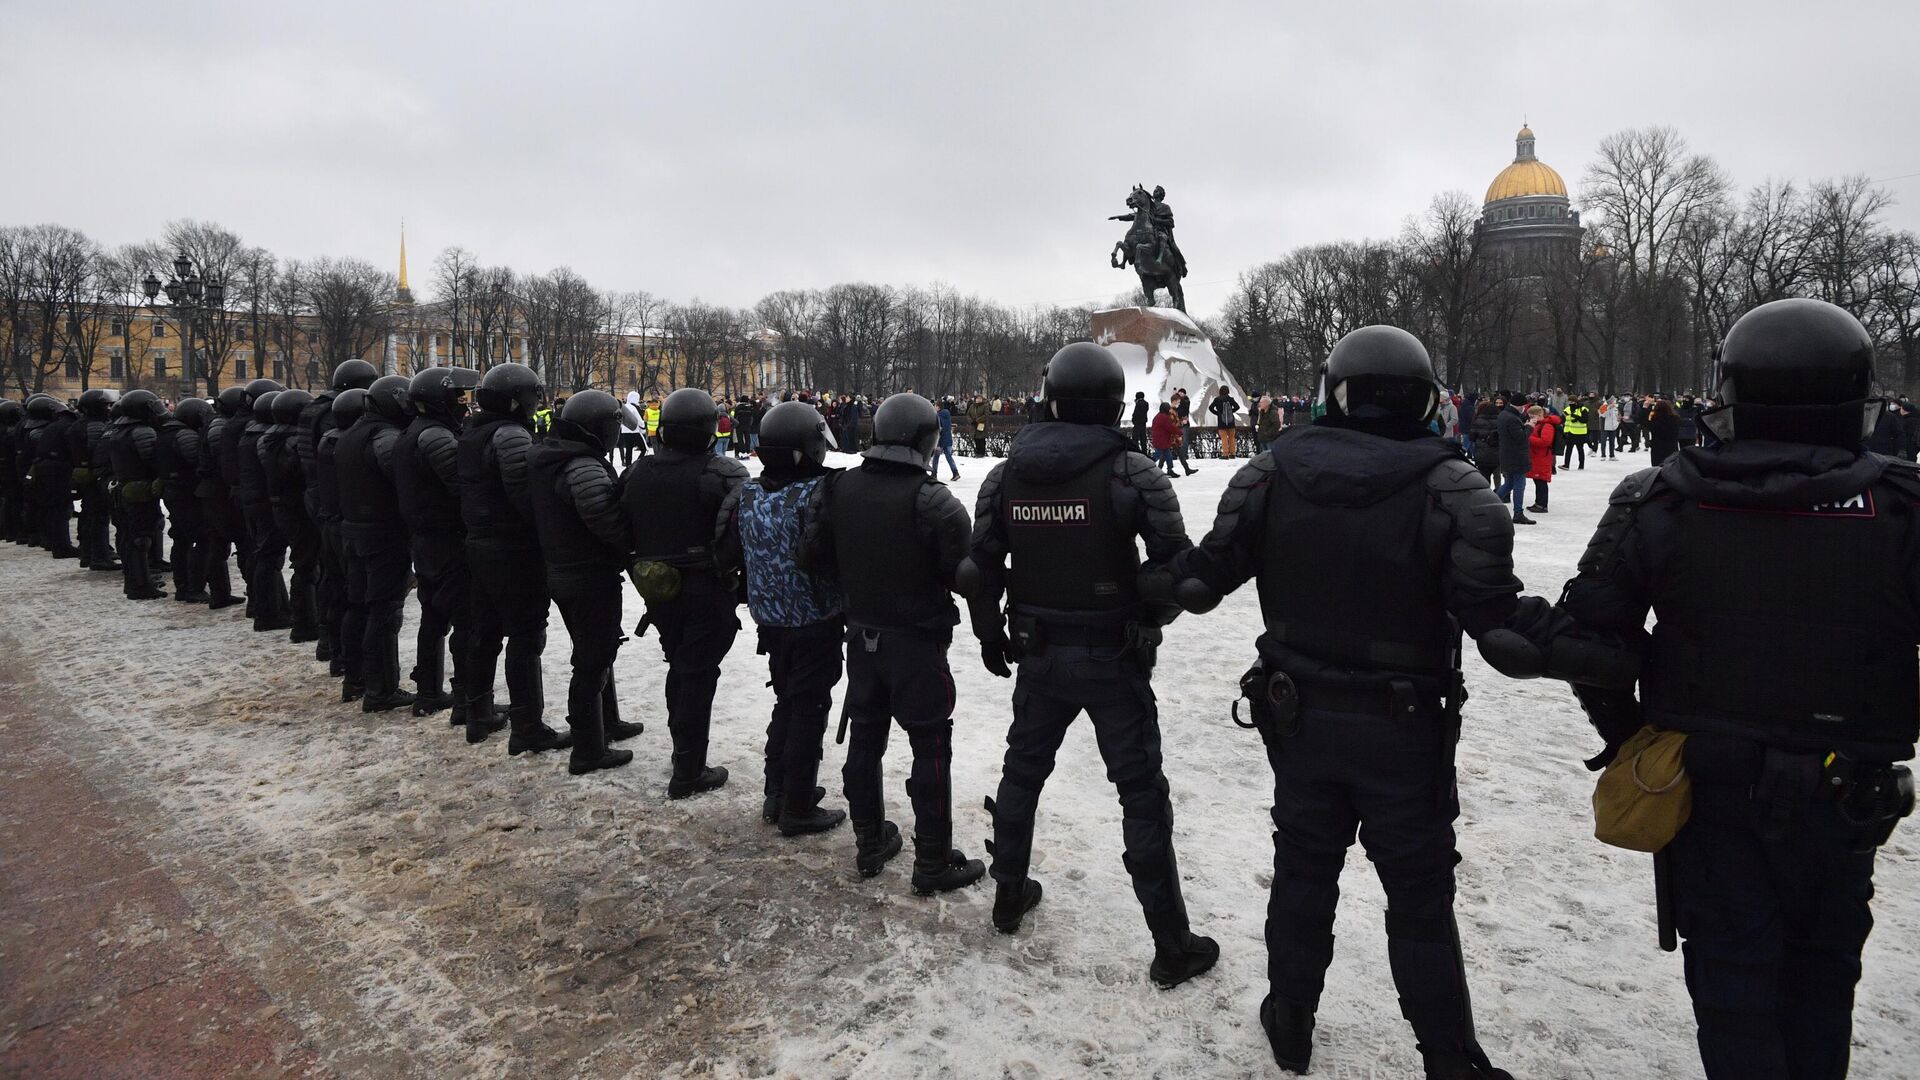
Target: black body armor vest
{"x":485,"y":506}
{"x":670,"y":510}
{"x":129,"y":466}
{"x":325,"y":487}
{"x":1356,"y":586}
{"x":172,"y":461}
{"x":565,"y":540}
{"x":430,"y":506}
{"x":367,"y":497}
{"x":894,"y":584}
{"x":1070,"y":552}
{"x":1793,"y":627}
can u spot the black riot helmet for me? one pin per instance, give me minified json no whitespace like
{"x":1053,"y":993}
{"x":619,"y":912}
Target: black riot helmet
{"x":263,"y":407}
{"x":287,"y":405}
{"x":42,"y":407}
{"x":261,"y":386}
{"x":1795,"y":371}
{"x":905,"y":427}
{"x":387,"y":397}
{"x":231,"y":401}
{"x":1084,"y":384}
{"x":511,"y":390}
{"x":11,"y":412}
{"x":441,"y":392}
{"x":194,"y":412}
{"x":97,"y":403}
{"x":1379,"y":373}
{"x":348,"y":406}
{"x":352,"y":374}
{"x":593,"y":417}
{"x":141,"y":407}
{"x":793,"y":432}
{"x":687,"y":419}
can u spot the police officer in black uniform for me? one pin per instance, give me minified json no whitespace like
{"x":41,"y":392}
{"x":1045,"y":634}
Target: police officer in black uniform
{"x":330,"y":584}
{"x":178,"y":459}
{"x":798,"y":612}
{"x":426,"y":474}
{"x":53,"y":462}
{"x":350,"y":612}
{"x":287,"y":494}
{"x":220,"y":497}
{"x":1066,"y":507}
{"x":266,"y":586}
{"x":507,"y":578}
{"x":1374,"y":543}
{"x":583,"y":537}
{"x":92,"y":473}
{"x":12,"y":521}
{"x":134,"y":445}
{"x":1783,"y":569}
{"x":671,"y":498}
{"x":895,"y":536}
{"x":376,"y":540}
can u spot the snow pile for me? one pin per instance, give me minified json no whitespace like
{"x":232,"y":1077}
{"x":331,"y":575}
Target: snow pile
{"x":1162,"y":351}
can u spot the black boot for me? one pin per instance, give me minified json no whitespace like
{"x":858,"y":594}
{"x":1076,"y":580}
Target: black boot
{"x":617,"y":729}
{"x":427,"y":703}
{"x":530,"y":736}
{"x":1289,"y":1030}
{"x":1011,"y":902}
{"x":940,"y":868}
{"x":874,"y":842}
{"x":687,"y":781}
{"x":770,"y":806}
{"x":323,"y":651}
{"x":1180,"y":956}
{"x":351,"y":691}
{"x":590,"y":750}
{"x":399,"y":699}
{"x":814,"y":819}
{"x":481,"y":720}
{"x":1455,"y":1065}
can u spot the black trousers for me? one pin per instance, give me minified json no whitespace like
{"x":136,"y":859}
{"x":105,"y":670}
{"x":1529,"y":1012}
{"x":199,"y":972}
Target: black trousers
{"x":188,"y":528}
{"x":266,"y":584}
{"x":96,"y":515}
{"x":804,"y":663}
{"x":900,"y":676}
{"x":53,"y":496}
{"x":1574,"y":444}
{"x":13,"y":518}
{"x":1112,"y":687}
{"x":1383,"y":776}
{"x":591,"y":613}
{"x":143,"y":535}
{"x":224,"y":533}
{"x":696,"y":631}
{"x":1774,"y":927}
{"x":303,"y":554}
{"x":330,"y":582}
{"x":1140,"y":438}
{"x":506,"y":598}
{"x":344,"y":615}
{"x":440,"y":567}
{"x":377,"y":576}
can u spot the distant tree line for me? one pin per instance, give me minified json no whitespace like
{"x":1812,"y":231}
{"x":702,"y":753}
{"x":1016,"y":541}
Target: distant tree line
{"x":1671,"y":256}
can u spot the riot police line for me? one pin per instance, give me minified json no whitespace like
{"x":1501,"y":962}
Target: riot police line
{"x":1752,"y":735}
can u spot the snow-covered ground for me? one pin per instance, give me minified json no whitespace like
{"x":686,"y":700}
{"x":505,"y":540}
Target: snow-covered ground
{"x":423,"y":907}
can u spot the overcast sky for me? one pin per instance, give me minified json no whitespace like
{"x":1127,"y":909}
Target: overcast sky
{"x":725,"y":150}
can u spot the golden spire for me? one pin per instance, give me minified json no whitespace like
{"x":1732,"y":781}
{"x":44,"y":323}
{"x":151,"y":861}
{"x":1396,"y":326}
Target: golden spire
{"x":403,"y":295}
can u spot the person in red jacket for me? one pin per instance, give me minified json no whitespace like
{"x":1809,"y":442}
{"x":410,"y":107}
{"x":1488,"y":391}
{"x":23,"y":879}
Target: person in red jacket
{"x":1542,"y":427}
{"x":1165,"y":435}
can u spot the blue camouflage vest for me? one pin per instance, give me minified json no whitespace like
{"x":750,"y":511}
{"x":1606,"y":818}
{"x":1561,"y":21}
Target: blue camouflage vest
{"x":779,"y":593}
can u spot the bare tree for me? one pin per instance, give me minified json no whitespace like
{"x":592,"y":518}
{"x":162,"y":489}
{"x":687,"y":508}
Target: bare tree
{"x":456,"y":284}
{"x":352,"y":305}
{"x":217,"y":254}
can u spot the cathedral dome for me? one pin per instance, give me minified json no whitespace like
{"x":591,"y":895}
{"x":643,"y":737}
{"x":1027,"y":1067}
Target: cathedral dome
{"x":1527,"y":175}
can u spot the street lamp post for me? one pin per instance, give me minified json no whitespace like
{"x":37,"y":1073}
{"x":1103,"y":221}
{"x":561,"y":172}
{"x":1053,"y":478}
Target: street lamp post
{"x":192,"y":297}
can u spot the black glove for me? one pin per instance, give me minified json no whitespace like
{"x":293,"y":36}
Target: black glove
{"x":996,"y":652}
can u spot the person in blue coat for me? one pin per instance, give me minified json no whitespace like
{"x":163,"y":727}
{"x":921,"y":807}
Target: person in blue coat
{"x":946,"y":442}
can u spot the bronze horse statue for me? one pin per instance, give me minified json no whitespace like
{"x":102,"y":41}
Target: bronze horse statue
{"x":1148,"y":251}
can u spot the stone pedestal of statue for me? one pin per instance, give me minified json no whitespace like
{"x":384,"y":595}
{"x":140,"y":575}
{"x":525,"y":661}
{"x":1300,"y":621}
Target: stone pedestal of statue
{"x":1162,"y":350}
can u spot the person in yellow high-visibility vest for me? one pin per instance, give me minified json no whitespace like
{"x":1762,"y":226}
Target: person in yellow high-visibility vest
{"x":653,"y":419}
{"x":1578,"y":415}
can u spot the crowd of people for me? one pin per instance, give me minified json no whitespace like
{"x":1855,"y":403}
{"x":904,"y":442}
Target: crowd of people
{"x":493,"y":507}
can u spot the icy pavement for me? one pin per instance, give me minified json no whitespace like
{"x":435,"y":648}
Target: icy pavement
{"x":420,"y":907}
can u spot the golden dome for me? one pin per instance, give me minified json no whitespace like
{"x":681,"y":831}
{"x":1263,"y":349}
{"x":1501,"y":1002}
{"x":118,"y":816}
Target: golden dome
{"x":1527,"y":175}
{"x":1526,"y":178}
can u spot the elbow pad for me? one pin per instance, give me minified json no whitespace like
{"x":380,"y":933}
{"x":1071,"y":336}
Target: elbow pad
{"x":968,"y":581}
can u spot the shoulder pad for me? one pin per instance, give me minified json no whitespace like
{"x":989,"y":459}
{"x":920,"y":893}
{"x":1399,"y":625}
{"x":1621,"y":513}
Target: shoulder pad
{"x":1904,"y":476}
{"x":1454,"y":474}
{"x":724,"y":466}
{"x":1637,"y":487}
